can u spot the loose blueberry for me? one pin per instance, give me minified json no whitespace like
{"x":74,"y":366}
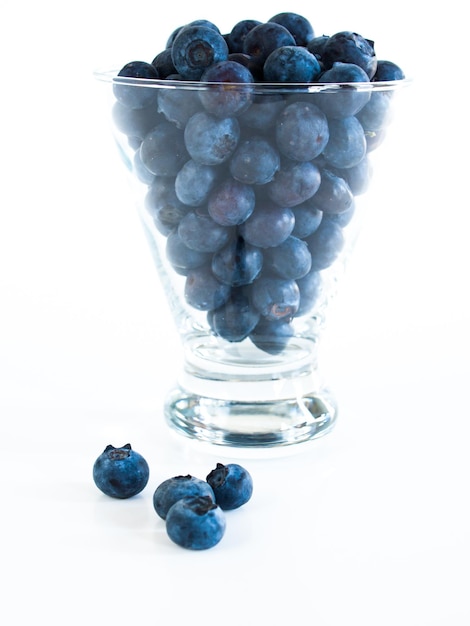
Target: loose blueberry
{"x":173,"y":489}
{"x":232,"y":485}
{"x":195,"y":523}
{"x":120,"y":472}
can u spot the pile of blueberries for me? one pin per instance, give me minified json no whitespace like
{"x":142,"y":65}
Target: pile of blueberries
{"x":193,"y":509}
{"x":251,"y":176}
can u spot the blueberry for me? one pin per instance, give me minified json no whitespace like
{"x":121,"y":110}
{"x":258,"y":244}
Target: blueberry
{"x":350,"y":47}
{"x":294,"y":183}
{"x":203,"y":291}
{"x":131,"y":95}
{"x":232,"y":485}
{"x":291,"y":64}
{"x":182,"y":258}
{"x":195,"y":523}
{"x":223,"y":102}
{"x":291,"y":259}
{"x":299,"y":27}
{"x":195,"y":48}
{"x":163,"y":204}
{"x":317,"y":45}
{"x":194,"y":183}
{"x":163,"y":63}
{"x":200,"y":232}
{"x":135,"y":123}
{"x":347,"y":143}
{"x":211,"y":140}
{"x":307,"y":218}
{"x":154,"y":151}
{"x":178,"y":105}
{"x":238,"y":263}
{"x":275,"y":298}
{"x":231,"y":202}
{"x":120,"y":472}
{"x":236,"y":319}
{"x":302,"y":131}
{"x":272,"y":336}
{"x":386,"y":70}
{"x":255,"y":161}
{"x":173,"y":489}
{"x":334,"y":194}
{"x":237,"y":35}
{"x":268,"y":226}
{"x":347,"y":100}
{"x":263,"y":39}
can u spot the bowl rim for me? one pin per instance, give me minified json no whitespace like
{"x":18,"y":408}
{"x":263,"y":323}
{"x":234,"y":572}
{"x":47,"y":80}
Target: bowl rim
{"x":111,"y":76}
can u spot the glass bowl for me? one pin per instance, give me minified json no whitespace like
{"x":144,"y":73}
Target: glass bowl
{"x":250,"y":196}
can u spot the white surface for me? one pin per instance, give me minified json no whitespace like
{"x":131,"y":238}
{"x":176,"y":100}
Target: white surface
{"x":370,"y":525}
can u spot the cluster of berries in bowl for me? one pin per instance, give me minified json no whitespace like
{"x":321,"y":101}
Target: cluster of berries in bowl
{"x":253,"y":146}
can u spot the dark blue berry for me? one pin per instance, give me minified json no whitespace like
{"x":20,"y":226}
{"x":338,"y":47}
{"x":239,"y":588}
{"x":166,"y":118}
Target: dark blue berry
{"x":268,"y":226}
{"x":195,"y":523}
{"x":238,"y":263}
{"x":290,"y":260}
{"x":200,"y":232}
{"x":220,"y":100}
{"x":346,"y":100}
{"x":275,"y":298}
{"x":350,"y":47}
{"x":263,"y":39}
{"x":154,"y":151}
{"x":131,"y":93}
{"x":347,"y":144}
{"x":291,"y":64}
{"x":237,"y":35}
{"x":235,"y":319}
{"x":203,"y":291}
{"x":255,"y":161}
{"x":211,"y":140}
{"x":294,"y":183}
{"x":120,"y":472}
{"x":231,"y":202}
{"x":298,"y":26}
{"x":302,"y":131}
{"x":173,"y":489}
{"x":386,"y":70}
{"x":272,"y":336}
{"x":232,"y":485}
{"x":195,"y":48}
{"x":194,"y":183}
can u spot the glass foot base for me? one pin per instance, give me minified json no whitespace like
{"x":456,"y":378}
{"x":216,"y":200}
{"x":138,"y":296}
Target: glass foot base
{"x":251,"y":424}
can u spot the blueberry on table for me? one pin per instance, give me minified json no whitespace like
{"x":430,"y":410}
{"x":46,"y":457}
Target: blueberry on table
{"x":120,"y":472}
{"x":177,"y":487}
{"x":232,"y":485}
{"x":195,"y":523}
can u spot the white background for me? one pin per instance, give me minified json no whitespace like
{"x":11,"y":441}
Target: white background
{"x":370,"y":525}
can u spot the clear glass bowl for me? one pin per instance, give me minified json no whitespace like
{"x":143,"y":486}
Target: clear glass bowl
{"x":250,"y":197}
